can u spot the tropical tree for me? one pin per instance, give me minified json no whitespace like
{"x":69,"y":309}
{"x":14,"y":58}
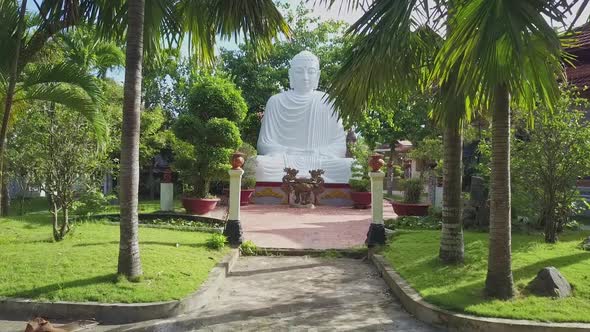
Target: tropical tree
{"x":81,"y":46}
{"x":497,"y":50}
{"x":393,"y":51}
{"x":259,"y":21}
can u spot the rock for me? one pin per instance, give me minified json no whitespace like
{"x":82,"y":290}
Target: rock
{"x":550,"y":282}
{"x":586,"y":244}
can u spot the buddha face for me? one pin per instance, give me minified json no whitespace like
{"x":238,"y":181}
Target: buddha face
{"x":304,"y":75}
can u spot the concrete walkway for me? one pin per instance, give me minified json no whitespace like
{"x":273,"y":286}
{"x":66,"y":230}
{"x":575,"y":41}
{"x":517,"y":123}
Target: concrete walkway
{"x":299,"y":294}
{"x":325,"y":227}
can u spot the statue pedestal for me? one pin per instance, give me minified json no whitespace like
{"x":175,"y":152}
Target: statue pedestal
{"x":376,"y":233}
{"x":166,"y":196}
{"x":270,"y":193}
{"x":233,"y":227}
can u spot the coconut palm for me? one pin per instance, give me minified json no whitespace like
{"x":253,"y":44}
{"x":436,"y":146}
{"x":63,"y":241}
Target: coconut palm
{"x":258,"y":20}
{"x":394,"y":46}
{"x":500,"y":50}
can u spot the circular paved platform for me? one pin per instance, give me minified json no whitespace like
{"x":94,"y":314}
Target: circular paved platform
{"x":325,"y":227}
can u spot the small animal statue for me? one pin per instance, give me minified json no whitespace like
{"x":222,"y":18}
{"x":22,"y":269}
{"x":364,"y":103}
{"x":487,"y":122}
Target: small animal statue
{"x":303,"y":189}
{"x":318,"y":181}
{"x":288,"y":181}
{"x":39,"y":324}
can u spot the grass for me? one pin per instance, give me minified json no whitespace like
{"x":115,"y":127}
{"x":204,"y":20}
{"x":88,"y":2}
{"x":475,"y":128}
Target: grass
{"x":83,"y":266}
{"x":414,"y":254}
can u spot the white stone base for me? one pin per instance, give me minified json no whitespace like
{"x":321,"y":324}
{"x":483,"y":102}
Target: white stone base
{"x":166,"y":197}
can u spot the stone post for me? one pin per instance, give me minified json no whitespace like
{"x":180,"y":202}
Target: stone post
{"x":167,"y":191}
{"x":233,"y":227}
{"x":376,"y":233}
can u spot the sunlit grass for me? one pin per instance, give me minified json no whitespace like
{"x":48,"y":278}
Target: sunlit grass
{"x":414,"y":254}
{"x":83,"y":267}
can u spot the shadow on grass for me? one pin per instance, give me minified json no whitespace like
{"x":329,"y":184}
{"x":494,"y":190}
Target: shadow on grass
{"x":165,"y":244}
{"x":44,"y":291}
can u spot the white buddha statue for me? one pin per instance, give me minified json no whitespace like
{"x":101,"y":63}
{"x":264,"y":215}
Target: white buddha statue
{"x":300,"y":130}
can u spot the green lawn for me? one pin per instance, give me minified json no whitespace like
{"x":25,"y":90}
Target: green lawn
{"x":83,"y":266}
{"x":414,"y":255}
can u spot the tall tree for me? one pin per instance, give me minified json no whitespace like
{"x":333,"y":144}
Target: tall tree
{"x":394,"y":46}
{"x":500,"y":49}
{"x":259,"y":21}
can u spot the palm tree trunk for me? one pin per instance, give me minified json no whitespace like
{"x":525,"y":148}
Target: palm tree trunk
{"x":499,"y":281}
{"x":451,"y":243}
{"x":10,"y":90}
{"x":129,"y":260}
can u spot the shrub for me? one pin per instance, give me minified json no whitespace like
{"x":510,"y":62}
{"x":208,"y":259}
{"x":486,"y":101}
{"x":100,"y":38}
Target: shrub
{"x":412,"y":190}
{"x":207,"y":134}
{"x":359,"y":179}
{"x":92,"y":202}
{"x":414,"y":222}
{"x":360,"y":185}
{"x":248,"y":183}
{"x":248,"y":248}
{"x":216,"y":241}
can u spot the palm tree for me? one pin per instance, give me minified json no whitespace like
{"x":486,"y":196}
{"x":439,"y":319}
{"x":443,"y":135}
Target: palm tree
{"x":81,"y":46}
{"x":500,"y":49}
{"x":392,"y":54}
{"x":259,"y":21}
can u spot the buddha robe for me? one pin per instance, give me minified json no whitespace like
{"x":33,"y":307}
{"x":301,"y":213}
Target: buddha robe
{"x":301,"y":132}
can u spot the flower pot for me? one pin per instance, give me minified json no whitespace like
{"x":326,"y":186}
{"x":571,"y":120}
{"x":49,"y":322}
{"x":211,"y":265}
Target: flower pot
{"x":245,"y":196}
{"x":361,"y":200}
{"x":199,"y":205}
{"x":407,"y":209}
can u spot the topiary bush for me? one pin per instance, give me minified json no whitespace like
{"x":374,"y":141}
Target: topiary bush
{"x":248,"y":248}
{"x":207,"y":134}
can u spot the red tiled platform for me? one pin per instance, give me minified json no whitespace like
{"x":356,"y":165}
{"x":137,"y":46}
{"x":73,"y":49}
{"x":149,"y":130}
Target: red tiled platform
{"x":325,"y":227}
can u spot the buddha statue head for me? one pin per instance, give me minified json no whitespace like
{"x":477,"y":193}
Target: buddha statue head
{"x":304,"y":72}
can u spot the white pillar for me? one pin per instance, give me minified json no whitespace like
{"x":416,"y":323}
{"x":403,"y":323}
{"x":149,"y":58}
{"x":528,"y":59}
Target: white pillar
{"x":377,"y":196}
{"x":166,"y":196}
{"x":235,"y":183}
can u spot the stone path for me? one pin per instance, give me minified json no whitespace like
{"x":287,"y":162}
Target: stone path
{"x":325,"y":227}
{"x":290,"y":294}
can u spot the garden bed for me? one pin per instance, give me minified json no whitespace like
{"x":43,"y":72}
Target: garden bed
{"x":414,"y":255}
{"x":83,"y":267}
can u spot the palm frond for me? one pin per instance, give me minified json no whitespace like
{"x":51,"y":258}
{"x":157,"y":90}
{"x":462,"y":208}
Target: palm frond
{"x":391,"y":54}
{"x":502,"y":42}
{"x":63,"y":73}
{"x":73,"y":98}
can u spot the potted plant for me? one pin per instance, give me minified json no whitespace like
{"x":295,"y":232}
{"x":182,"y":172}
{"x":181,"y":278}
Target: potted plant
{"x":411,"y":205}
{"x":207,"y":137}
{"x":360,"y":183}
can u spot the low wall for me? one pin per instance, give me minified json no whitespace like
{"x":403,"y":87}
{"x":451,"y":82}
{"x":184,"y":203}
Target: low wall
{"x":336,"y":194}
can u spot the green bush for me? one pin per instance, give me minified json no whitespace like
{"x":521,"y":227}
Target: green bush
{"x":92,"y":202}
{"x":359,"y":179}
{"x":216,"y":241}
{"x":248,"y":248}
{"x":360,"y":185}
{"x":412,"y":190}
{"x":207,"y":134}
{"x":248,"y":183}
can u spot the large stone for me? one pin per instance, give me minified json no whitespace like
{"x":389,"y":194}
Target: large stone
{"x":586,"y":244}
{"x":550,"y":282}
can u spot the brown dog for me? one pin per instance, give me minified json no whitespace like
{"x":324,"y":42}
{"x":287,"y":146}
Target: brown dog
{"x":39,"y":324}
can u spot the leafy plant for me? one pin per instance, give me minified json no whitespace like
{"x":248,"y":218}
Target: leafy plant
{"x":208,"y":134}
{"x":359,"y":179}
{"x":216,"y":241}
{"x":412,"y":190}
{"x":248,"y":183}
{"x":414,"y":222}
{"x":248,"y":248}
{"x":91,"y":202}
